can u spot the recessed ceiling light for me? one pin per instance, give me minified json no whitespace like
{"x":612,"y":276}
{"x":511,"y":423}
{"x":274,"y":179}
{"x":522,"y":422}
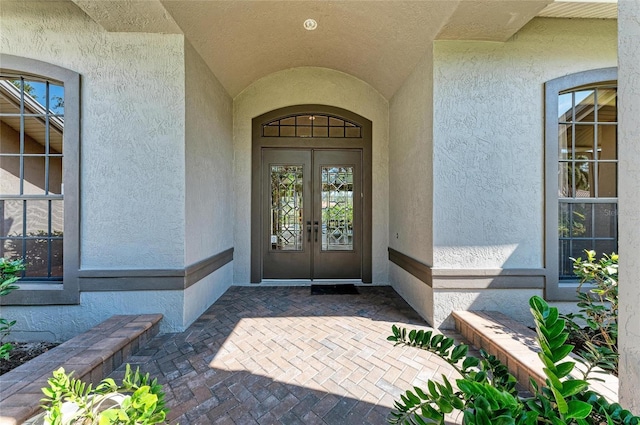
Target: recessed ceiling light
{"x":310,"y":24}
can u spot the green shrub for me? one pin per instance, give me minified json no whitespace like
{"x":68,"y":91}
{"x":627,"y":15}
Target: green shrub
{"x":486,"y":392}
{"x":9,"y":270}
{"x":594,"y":328}
{"x":137,"y":401}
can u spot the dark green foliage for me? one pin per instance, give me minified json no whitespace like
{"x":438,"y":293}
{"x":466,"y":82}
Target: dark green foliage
{"x":595,"y":327}
{"x":8,"y":277}
{"x":486,"y":393}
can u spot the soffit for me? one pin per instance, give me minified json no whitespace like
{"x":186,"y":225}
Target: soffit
{"x":379,"y":42}
{"x":490,"y":20}
{"x":581,"y":9}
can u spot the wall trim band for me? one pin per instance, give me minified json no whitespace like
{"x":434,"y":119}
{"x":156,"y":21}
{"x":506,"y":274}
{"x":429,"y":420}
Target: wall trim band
{"x":471,"y":279}
{"x":411,"y":265}
{"x":152,"y":279}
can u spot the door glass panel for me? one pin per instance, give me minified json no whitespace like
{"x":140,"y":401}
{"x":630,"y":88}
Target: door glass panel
{"x":286,"y":208}
{"x":337,"y":208}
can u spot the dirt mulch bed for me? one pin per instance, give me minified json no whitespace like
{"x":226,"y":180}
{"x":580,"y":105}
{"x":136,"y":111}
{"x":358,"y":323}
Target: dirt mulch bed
{"x":23,"y":352}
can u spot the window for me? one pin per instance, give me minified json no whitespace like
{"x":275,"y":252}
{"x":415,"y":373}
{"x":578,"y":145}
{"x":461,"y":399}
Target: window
{"x":581,"y":173}
{"x":38,"y":178}
{"x":31,"y":197}
{"x":316,"y":125}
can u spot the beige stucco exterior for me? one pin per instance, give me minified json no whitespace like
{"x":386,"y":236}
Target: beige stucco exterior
{"x":488,"y":139}
{"x":458,"y":144}
{"x":155,"y":140}
{"x":629,"y":242}
{"x":467,"y":133}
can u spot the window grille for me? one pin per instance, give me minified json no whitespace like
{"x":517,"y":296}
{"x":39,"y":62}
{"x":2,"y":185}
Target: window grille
{"x":31,"y":170}
{"x":317,"y":126}
{"x":587,"y":174}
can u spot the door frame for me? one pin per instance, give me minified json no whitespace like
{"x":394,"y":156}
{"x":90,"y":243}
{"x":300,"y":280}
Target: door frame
{"x":259,"y":142}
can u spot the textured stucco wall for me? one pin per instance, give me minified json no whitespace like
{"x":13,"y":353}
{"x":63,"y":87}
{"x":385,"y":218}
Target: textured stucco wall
{"x":410,"y":164}
{"x":629,"y":210}
{"x":488,"y":138}
{"x":410,"y":182}
{"x":60,"y":323}
{"x":199,"y":296}
{"x":209,"y":161}
{"x":209,"y":172}
{"x":309,"y":86}
{"x":512,"y":302}
{"x":416,"y":293}
{"x":132,"y":133}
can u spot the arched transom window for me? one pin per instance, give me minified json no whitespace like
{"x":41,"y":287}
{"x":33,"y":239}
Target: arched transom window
{"x":307,"y":125}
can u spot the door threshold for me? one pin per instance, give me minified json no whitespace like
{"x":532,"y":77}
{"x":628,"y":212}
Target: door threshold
{"x":307,"y":282}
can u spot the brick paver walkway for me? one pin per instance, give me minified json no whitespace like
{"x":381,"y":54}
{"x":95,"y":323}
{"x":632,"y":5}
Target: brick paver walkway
{"x":276,"y":355}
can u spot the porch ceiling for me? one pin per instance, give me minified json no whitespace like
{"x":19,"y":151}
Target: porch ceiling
{"x":379,"y":42}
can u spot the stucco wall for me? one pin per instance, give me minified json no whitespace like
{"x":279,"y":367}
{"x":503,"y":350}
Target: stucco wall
{"x":415,"y":292}
{"x":132,"y":181}
{"x":199,"y":296}
{"x":208,"y":181}
{"x":629,"y":210}
{"x":60,"y":323}
{"x":411,"y":165}
{"x":309,"y":86}
{"x":488,"y":138}
{"x":410,"y":182}
{"x":512,"y":302}
{"x":209,"y":161}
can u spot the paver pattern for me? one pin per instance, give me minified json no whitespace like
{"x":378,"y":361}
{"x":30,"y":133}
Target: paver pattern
{"x":279,"y":355}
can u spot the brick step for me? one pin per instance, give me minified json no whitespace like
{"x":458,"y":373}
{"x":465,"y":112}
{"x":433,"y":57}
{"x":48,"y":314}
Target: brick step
{"x":92,"y":355}
{"x":515,"y":346}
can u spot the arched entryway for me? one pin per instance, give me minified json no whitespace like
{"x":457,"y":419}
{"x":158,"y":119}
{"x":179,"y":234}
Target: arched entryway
{"x":311,"y":195}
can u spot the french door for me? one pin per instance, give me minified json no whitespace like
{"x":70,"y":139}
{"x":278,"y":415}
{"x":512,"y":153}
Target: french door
{"x":311,"y":194}
{"x":312,"y":213}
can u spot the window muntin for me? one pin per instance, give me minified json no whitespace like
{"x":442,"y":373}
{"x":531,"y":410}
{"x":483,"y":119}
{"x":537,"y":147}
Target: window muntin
{"x":316,"y":126}
{"x":587,"y":174}
{"x":31,"y":174}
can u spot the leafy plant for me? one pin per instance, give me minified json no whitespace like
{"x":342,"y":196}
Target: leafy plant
{"x":137,"y":401}
{"x":595,"y":326}
{"x":486,"y":392}
{"x":9,"y":270}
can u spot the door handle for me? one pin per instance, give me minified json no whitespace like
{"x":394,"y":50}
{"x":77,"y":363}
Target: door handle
{"x":308,"y":231}
{"x":315,"y":229}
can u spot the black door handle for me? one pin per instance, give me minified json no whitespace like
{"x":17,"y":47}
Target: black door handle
{"x":308,"y":231}
{"x":315,"y":229}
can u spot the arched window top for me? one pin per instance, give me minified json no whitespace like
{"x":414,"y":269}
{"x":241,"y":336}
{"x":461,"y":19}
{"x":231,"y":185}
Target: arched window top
{"x":589,"y":103}
{"x":312,"y":125}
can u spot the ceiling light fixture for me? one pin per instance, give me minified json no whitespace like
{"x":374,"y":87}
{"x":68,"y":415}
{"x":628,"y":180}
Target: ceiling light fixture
{"x":310,"y":24}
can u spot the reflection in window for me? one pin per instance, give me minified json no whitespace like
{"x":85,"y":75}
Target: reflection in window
{"x":587,"y":174}
{"x":31,"y":189}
